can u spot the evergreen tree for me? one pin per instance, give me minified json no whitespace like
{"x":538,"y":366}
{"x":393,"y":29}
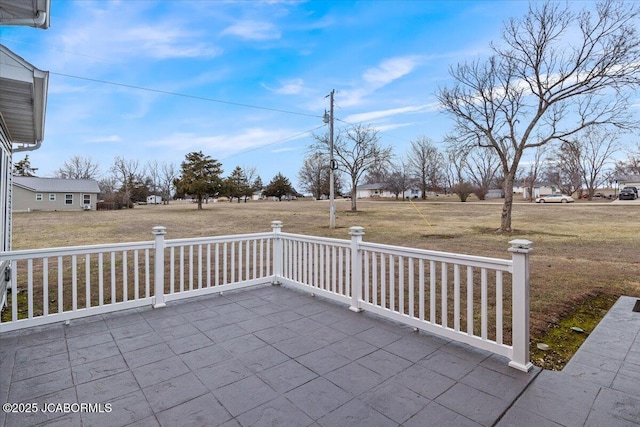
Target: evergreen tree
{"x":200,"y":177}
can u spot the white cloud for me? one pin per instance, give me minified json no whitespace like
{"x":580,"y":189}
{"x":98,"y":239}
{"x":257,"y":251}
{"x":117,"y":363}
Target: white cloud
{"x":221,"y":146}
{"x":284,"y":150}
{"x":374,"y":115}
{"x":110,"y":138}
{"x":253,"y":30}
{"x":288,"y":87}
{"x":390,"y":70}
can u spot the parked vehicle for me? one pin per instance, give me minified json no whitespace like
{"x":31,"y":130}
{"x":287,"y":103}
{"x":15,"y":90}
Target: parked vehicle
{"x":555,"y":198}
{"x":634,"y":189}
{"x":627,"y":194}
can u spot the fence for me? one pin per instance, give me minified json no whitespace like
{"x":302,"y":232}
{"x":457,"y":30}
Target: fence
{"x":480,"y":301}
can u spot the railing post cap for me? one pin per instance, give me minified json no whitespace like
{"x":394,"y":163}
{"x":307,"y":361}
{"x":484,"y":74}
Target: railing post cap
{"x":159,"y":229}
{"x":276,"y":224}
{"x":356,"y":230}
{"x":520,"y":244}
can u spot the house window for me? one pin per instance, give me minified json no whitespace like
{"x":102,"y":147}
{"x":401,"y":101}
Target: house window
{"x":38,"y":197}
{"x":86,"y":199}
{"x":52,"y":197}
{"x":68,"y":199}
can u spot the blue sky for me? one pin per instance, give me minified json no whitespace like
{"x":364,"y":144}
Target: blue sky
{"x":385,"y":59}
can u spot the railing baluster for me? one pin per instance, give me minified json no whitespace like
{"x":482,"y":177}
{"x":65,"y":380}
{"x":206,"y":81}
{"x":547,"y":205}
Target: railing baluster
{"x":172,"y":263}
{"x":125,"y":275}
{"x":365,"y":254}
{"x":374,"y":278}
{"x":401,"y":284}
{"x":136,"y":279}
{"x":208,"y":265}
{"x":392,"y":288}
{"x":14,"y":291}
{"x":411,"y":288}
{"x":147,"y":274}
{"x":456,"y":297}
{"x":484,"y":308}
{"x":45,"y":286}
{"x":74,"y":282}
{"x":233,"y":262}
{"x":113,"y":277}
{"x":60,"y":278}
{"x":240,"y":261}
{"x":470,"y":300}
{"x":224,"y":263}
{"x":383,"y":286}
{"x":30,"y":288}
{"x":443,"y":293}
{"x":217,"y":264}
{"x":100,"y":279}
{"x":181,"y":269}
{"x":432,"y":292}
{"x":87,"y":276}
{"x":190,"y":267}
{"x":255,"y":259}
{"x":499,"y":325}
{"x":421,"y":291}
{"x":200,"y":272}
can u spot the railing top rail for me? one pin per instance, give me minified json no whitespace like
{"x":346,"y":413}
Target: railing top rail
{"x":449,"y":257}
{"x":217,"y":239}
{"x":73,"y":250}
{"x":316,"y":239}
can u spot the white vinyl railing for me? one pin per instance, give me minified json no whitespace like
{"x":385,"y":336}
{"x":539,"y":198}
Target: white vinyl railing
{"x":480,"y":301}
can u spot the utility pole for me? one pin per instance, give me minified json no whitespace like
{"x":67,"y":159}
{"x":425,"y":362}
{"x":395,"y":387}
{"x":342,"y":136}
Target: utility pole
{"x":332,"y":163}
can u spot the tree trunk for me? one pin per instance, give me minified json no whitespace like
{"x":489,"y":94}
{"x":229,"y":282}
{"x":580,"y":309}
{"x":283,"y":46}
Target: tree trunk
{"x":505,"y":219}
{"x":353,"y":198}
{"x":200,"y":202}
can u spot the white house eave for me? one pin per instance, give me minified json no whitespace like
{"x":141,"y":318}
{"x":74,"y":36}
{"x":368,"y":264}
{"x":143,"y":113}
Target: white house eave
{"x":23,"y":100}
{"x":30,"y":13}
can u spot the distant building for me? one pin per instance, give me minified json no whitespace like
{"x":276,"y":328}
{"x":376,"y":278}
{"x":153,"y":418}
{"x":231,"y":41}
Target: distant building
{"x":378,"y":190}
{"x":53,"y":194}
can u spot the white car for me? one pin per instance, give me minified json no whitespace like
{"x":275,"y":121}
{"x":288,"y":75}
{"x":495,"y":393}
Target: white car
{"x":555,"y":198}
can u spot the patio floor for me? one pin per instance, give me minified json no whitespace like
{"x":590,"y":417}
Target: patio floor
{"x":272,"y":356}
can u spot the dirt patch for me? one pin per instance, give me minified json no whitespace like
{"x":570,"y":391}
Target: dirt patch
{"x":565,"y":336}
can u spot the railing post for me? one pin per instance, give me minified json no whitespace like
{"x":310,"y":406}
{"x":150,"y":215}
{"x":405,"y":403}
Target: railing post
{"x":356,"y":234}
{"x":158,"y":276}
{"x":277,"y":252}
{"x":520,"y":250}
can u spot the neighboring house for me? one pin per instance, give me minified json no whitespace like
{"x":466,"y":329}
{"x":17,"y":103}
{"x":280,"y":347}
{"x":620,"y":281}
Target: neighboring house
{"x":628,"y":180}
{"x":378,"y":190}
{"x":53,"y":194}
{"x":538,"y":190}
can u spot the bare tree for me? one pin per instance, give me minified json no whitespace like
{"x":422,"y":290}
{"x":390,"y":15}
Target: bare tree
{"x":127,"y":173}
{"x":630,"y":165}
{"x":556,"y":73}
{"x":168,"y":174}
{"x":153,"y":172}
{"x":596,"y":148}
{"x":356,"y":151}
{"x":482,"y":165}
{"x":533,"y":172}
{"x":78,"y":167}
{"x":313,"y":175}
{"x":562,"y":168}
{"x":425,"y":164}
{"x":399,"y":180}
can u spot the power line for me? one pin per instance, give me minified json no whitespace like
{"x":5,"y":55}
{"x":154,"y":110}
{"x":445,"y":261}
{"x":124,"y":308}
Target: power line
{"x":201,"y":98}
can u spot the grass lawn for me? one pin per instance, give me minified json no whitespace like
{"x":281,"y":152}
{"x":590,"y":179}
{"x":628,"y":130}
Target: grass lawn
{"x":581,"y":250}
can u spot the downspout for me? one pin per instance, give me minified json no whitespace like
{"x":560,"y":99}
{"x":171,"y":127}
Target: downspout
{"x":36,"y":21}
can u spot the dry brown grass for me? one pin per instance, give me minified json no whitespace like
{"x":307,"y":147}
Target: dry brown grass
{"x":581,"y":249}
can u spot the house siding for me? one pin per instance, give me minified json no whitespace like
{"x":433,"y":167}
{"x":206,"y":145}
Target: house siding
{"x":5,"y":204}
{"x":25,"y":200}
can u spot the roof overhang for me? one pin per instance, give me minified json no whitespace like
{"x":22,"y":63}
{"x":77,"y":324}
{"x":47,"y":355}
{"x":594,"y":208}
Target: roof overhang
{"x":30,"y":13}
{"x":23,"y":100}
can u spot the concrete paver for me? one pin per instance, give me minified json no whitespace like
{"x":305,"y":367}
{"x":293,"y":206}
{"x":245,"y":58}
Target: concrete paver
{"x":275,"y":356}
